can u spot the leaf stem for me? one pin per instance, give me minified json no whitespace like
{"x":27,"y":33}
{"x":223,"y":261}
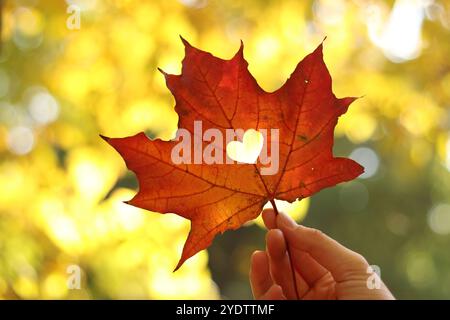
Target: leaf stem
{"x":274,"y":206}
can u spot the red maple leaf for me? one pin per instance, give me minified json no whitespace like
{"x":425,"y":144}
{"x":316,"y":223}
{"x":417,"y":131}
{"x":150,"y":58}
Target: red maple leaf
{"x":222,"y":94}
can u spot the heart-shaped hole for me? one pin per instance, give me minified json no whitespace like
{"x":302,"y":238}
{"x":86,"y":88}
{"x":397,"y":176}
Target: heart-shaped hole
{"x":249,"y":149}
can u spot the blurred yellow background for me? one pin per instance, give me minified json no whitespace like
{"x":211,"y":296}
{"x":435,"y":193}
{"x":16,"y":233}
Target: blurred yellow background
{"x":64,"y":80}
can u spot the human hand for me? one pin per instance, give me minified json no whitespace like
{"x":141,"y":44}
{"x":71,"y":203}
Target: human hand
{"x":324,"y":269}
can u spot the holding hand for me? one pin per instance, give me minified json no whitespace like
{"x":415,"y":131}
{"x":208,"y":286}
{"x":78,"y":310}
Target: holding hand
{"x":323,"y":268}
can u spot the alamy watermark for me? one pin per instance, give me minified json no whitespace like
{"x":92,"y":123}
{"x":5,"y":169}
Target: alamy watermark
{"x":374,"y":279}
{"x":74,"y":277}
{"x":73,"y":21}
{"x":252,"y":145}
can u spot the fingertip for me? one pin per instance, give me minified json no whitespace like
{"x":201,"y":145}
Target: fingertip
{"x":256,"y":252}
{"x":269,"y":218}
{"x":258,"y":256}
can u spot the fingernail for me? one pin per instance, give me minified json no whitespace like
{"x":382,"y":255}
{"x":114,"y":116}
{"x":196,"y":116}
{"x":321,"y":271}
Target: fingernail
{"x":256,"y":252}
{"x":283,"y":220}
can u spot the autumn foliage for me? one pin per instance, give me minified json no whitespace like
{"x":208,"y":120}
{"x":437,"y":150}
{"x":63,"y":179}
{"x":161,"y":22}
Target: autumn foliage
{"x":224,"y":95}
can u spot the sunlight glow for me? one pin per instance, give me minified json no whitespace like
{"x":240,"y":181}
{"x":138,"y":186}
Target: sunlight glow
{"x":399,"y":37}
{"x":297,"y":209}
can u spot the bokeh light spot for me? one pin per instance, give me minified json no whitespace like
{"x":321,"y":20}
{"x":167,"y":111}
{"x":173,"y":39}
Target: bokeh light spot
{"x":439,"y":218}
{"x":420,"y":269}
{"x":400,"y":36}
{"x":20,"y":140}
{"x":368,"y":159}
{"x":43,"y":108}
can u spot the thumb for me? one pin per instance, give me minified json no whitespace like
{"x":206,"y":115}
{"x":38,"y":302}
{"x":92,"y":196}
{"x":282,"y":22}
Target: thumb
{"x":339,"y":260}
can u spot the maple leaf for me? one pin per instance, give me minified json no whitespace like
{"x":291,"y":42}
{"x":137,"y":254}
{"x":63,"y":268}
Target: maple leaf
{"x":224,"y":95}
